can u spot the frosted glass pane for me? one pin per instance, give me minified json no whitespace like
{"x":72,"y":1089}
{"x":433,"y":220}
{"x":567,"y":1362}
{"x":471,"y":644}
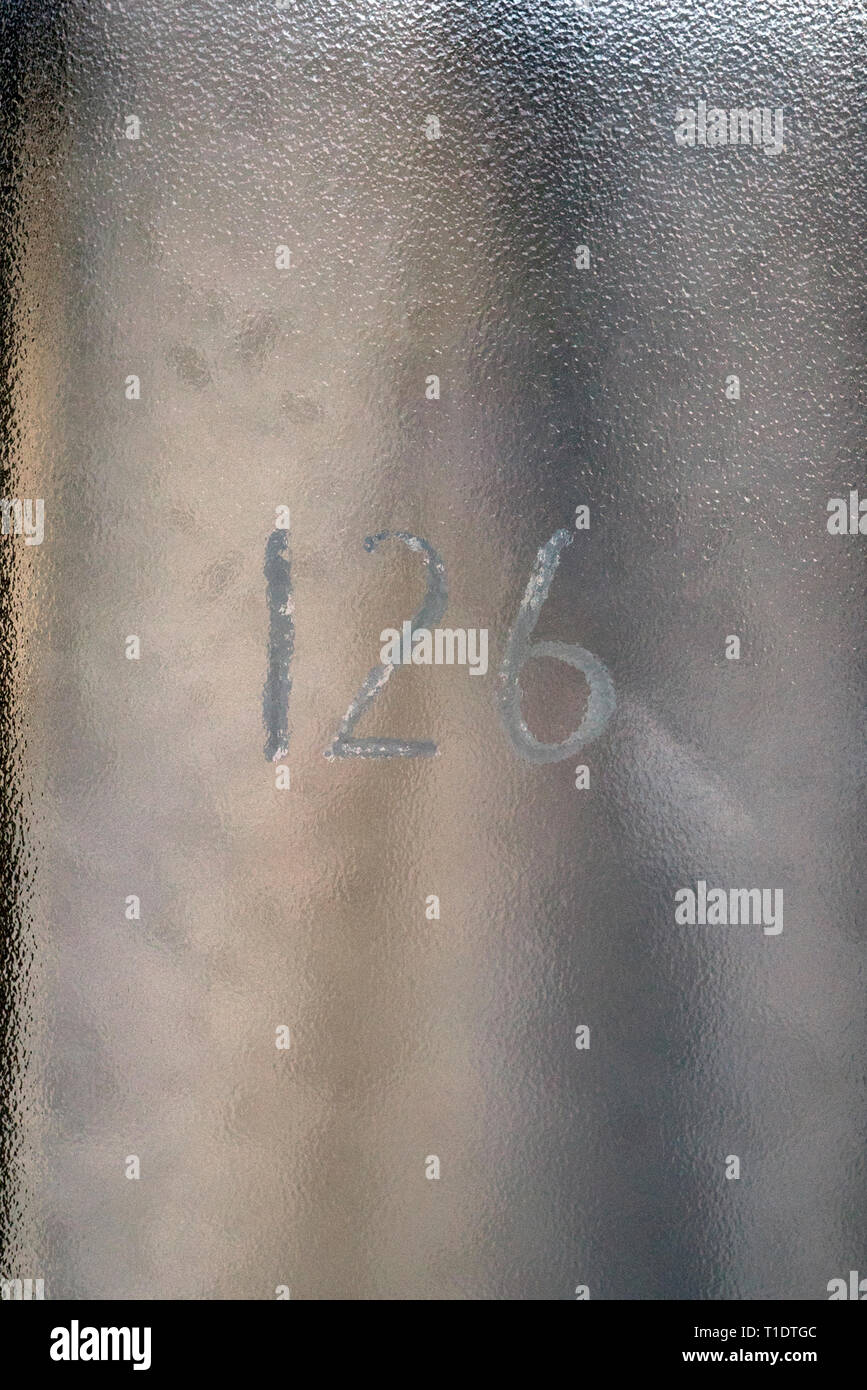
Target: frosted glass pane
{"x":454,"y":272}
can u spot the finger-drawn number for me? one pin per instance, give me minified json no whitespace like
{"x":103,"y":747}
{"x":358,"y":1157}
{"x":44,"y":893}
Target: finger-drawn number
{"x":430,"y":613}
{"x":519,"y":650}
{"x":281,"y":643}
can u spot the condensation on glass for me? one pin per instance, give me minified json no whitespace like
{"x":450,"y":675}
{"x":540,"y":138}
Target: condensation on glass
{"x":444,"y":273}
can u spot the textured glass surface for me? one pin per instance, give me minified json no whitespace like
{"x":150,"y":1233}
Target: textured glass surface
{"x":284,"y":222}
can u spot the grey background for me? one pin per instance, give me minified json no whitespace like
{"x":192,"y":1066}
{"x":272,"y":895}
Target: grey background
{"x":306,"y":127}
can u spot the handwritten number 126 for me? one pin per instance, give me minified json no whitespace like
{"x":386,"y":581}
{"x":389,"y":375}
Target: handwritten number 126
{"x":519,"y":650}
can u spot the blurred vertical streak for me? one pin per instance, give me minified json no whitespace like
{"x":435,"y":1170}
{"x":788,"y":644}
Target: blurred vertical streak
{"x":31,"y":84}
{"x":15,"y":950}
{"x":10,"y":931}
{"x":15,"y":947}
